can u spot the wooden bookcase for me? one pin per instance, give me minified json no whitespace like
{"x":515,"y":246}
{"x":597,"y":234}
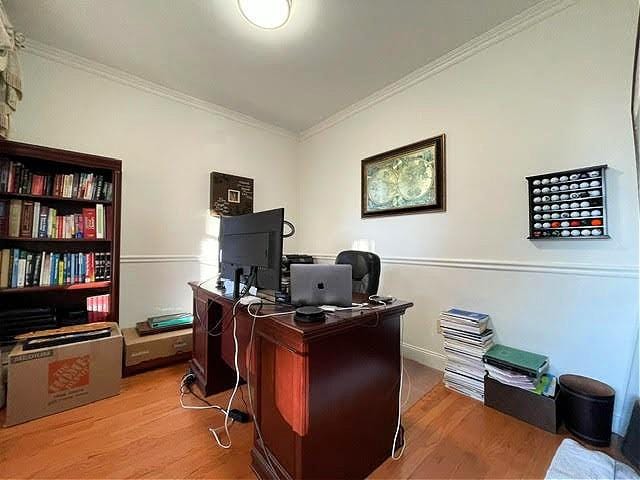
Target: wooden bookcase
{"x":54,"y":161}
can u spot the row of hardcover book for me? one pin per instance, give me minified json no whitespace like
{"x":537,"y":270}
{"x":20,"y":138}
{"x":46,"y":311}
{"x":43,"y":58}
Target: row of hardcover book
{"x":28,"y":219}
{"x":98,"y":308}
{"x":21,"y":268}
{"x":15,"y":177}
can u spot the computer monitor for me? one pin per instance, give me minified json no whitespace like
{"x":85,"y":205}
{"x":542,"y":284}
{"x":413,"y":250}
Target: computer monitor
{"x":251,"y":249}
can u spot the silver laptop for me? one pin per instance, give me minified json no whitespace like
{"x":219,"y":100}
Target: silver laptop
{"x":321,"y":285}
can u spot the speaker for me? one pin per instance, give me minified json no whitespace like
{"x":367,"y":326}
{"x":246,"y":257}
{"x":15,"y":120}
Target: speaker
{"x":631,"y":442}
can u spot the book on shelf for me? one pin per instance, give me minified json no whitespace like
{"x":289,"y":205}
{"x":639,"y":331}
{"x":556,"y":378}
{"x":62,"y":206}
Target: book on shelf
{"x":4,"y":218}
{"x":98,"y":308}
{"x":466,"y":339}
{"x":32,"y":219}
{"x":17,"y":178}
{"x":21,"y":268}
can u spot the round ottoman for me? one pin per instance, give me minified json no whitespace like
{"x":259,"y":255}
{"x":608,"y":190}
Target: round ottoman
{"x":587,"y":408}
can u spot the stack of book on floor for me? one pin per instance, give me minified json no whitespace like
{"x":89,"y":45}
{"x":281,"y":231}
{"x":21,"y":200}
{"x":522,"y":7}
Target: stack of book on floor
{"x":466,"y":339}
{"x":520,"y":369}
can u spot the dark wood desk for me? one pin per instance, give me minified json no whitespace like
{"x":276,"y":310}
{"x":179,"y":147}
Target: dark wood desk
{"x":325,"y":394}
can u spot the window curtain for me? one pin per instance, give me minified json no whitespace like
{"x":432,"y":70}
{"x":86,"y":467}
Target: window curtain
{"x":635,"y":108}
{"x":10,"y":72}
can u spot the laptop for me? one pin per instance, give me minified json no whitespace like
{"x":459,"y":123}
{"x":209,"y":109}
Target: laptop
{"x":321,"y":285}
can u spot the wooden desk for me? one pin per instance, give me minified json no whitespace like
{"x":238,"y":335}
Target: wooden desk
{"x":325,"y":394}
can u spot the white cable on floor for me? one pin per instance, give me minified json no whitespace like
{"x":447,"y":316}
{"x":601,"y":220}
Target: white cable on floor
{"x":395,"y":437}
{"x":235,"y":388}
{"x":410,"y":386}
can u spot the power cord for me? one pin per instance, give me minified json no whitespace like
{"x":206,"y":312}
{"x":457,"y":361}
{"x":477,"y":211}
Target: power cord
{"x":395,"y":437}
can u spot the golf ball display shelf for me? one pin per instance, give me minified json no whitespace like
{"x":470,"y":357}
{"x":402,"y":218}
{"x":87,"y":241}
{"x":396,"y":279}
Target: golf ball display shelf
{"x":568,"y":205}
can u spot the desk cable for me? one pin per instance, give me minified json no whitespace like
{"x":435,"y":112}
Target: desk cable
{"x":255,"y":315}
{"x":395,"y":437}
{"x":225,"y":411}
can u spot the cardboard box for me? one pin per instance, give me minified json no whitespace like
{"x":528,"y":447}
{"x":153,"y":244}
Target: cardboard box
{"x":50,"y":380}
{"x":151,"y":351}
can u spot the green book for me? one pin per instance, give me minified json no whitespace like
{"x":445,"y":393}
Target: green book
{"x":503,"y":356}
{"x":170,"y":320}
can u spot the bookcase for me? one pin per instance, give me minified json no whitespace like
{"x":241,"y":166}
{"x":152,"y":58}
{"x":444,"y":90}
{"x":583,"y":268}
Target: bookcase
{"x":68,"y":208}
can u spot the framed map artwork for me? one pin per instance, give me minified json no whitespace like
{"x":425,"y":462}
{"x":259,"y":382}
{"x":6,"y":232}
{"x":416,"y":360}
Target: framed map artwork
{"x":405,"y":180}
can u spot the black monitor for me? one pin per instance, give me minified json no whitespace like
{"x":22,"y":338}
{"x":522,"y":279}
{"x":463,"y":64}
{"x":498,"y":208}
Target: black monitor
{"x":251,"y":249}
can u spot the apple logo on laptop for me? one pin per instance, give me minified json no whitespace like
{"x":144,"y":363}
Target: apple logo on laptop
{"x":321,"y":286}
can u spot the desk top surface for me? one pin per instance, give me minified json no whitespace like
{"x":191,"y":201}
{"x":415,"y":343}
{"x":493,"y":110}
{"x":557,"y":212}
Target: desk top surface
{"x":333,"y":320}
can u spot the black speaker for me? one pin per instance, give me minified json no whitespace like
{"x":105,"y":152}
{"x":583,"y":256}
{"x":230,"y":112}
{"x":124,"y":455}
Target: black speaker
{"x":631,"y":442}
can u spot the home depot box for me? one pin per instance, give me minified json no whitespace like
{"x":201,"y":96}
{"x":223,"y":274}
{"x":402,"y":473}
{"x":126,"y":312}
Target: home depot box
{"x":49,"y":380}
{"x":151,"y":351}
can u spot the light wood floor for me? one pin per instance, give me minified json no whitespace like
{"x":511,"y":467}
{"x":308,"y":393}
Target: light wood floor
{"x":144,"y":433}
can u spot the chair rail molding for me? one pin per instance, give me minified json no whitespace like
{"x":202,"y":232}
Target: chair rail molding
{"x":580,"y":269}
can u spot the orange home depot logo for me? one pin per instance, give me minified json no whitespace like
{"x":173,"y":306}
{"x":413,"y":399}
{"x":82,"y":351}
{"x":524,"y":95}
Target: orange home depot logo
{"x":69,"y":373}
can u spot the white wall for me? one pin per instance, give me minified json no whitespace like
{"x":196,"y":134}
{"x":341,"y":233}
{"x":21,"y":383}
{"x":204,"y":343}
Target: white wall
{"x":555,"y":96}
{"x":168,"y":149}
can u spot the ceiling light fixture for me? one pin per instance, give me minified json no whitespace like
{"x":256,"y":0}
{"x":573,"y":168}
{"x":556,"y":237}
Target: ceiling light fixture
{"x":268,"y":14}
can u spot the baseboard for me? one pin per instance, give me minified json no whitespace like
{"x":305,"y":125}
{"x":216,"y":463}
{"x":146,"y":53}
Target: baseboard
{"x":422,"y":355}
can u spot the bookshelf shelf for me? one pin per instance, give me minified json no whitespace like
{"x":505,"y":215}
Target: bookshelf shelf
{"x":35,"y":170}
{"x":52,"y":198}
{"x":54,"y":240}
{"x":58,"y":288}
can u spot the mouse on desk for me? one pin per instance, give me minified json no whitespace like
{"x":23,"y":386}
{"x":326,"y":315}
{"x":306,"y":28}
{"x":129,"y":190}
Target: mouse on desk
{"x":381,"y":299}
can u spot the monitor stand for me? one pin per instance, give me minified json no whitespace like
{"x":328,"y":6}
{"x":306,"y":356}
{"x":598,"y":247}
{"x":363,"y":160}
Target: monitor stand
{"x":237,"y":275}
{"x":237,"y":280}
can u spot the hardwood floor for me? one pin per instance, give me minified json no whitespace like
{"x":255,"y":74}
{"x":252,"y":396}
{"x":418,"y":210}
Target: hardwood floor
{"x":143,"y":433}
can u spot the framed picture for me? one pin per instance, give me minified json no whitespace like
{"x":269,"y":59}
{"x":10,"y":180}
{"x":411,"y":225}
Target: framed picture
{"x":233,"y":196}
{"x":410,"y":179}
{"x":230,"y":194}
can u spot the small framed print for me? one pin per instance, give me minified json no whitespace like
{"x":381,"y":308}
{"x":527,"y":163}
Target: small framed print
{"x":230,"y":194}
{"x":409,"y":179}
{"x":233,"y":196}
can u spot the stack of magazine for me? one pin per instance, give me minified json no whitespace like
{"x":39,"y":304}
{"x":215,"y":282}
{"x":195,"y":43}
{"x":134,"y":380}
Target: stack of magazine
{"x":466,"y":339}
{"x":520,"y":369}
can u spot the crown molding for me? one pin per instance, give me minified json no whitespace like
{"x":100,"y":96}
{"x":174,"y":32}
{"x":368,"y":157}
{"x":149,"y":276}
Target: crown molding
{"x":577,"y":269}
{"x":81,"y":63}
{"x":514,"y":25}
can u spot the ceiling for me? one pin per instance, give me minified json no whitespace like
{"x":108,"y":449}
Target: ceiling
{"x":331,"y":54}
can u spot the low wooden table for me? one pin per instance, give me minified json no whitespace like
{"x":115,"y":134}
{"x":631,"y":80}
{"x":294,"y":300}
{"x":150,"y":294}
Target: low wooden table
{"x":325,"y":394}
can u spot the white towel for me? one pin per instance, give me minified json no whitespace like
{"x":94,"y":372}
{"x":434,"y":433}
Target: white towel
{"x":573,"y":461}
